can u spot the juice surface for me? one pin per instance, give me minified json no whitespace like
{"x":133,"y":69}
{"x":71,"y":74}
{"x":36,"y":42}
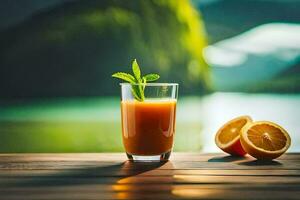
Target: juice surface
{"x":148,"y":127}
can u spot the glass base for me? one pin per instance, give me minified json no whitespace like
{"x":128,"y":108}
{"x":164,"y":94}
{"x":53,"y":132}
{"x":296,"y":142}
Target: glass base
{"x":153,"y":158}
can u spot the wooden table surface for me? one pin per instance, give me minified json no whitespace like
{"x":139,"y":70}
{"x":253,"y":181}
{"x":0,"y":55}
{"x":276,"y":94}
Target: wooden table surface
{"x":110,"y":176}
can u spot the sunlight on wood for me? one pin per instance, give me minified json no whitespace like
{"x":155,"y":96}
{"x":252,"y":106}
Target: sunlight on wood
{"x":192,"y":193}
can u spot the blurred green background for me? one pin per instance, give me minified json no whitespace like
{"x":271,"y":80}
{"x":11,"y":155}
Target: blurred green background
{"x":230,"y":58}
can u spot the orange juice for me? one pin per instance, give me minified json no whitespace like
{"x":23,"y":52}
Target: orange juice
{"x":148,"y":127}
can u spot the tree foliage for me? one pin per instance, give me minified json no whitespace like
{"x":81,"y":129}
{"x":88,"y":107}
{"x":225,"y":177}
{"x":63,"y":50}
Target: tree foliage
{"x":72,"y":49}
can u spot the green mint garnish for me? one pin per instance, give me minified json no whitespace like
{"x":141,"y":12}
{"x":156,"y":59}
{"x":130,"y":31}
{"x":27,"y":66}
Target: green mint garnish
{"x":137,"y":81}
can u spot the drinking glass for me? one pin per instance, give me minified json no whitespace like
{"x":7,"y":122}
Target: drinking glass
{"x":148,"y":126}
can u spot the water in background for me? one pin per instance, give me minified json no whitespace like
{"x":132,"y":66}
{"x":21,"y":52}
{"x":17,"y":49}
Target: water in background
{"x":93,"y":124}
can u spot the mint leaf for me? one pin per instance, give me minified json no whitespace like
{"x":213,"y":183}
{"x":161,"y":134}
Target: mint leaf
{"x":151,"y":77}
{"x":137,"y":73}
{"x":144,"y":81}
{"x":124,"y":76}
{"x":136,"y":70}
{"x":141,"y":91}
{"x":135,"y":94}
{"x":138,"y":83}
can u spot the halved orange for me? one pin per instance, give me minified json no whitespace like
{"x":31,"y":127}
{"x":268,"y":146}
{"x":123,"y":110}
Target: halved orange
{"x":265,"y":140}
{"x":228,"y":136}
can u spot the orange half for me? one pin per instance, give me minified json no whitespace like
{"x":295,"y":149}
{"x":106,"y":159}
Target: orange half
{"x":228,"y":136}
{"x":265,"y":140}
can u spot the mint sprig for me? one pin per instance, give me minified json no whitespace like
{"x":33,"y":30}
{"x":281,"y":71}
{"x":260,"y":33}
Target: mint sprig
{"x":137,"y":81}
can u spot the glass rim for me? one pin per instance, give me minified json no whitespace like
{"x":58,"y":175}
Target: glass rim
{"x":151,"y":84}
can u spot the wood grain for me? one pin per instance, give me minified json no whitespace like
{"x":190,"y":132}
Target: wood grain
{"x":110,"y":176}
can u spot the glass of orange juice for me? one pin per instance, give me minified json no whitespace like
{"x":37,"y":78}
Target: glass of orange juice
{"x":148,"y":126}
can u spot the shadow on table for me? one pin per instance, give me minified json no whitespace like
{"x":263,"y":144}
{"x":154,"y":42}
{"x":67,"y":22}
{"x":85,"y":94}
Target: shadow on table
{"x":226,"y":159}
{"x":109,"y":174}
{"x":246,"y":161}
{"x":127,"y":180}
{"x":260,"y":163}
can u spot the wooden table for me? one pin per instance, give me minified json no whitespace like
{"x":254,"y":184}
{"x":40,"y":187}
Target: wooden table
{"x":110,"y":176}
